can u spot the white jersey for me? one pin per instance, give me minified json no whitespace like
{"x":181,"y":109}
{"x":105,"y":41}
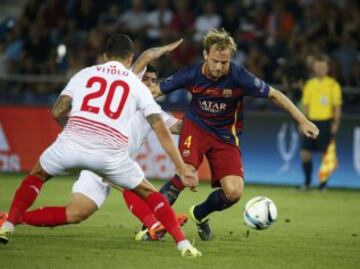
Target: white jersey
{"x":105,"y":98}
{"x":92,"y":185}
{"x":140,"y":128}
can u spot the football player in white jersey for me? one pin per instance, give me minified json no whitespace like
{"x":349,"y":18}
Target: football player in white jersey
{"x":87,"y":198}
{"x":95,"y":108}
{"x":89,"y":192}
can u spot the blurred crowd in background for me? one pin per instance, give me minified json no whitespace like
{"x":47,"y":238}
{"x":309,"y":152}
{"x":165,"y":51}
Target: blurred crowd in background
{"x":276,"y":38}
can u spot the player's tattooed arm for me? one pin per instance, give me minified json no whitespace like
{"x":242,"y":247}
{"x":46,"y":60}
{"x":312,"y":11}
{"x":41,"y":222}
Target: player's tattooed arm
{"x":152,"y":54}
{"x":176,"y":128}
{"x":153,"y":119}
{"x":61,"y":109}
{"x":162,"y":132}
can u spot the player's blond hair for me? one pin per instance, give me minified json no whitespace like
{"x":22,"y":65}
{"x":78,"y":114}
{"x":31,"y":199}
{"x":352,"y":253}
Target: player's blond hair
{"x":221,"y":39}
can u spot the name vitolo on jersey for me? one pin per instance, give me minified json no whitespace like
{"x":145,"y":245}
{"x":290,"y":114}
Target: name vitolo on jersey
{"x":104,"y":99}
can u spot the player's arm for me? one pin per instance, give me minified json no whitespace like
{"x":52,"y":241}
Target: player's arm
{"x":152,"y":54}
{"x":162,"y":132}
{"x":258,"y":88}
{"x":176,"y":128}
{"x":61,"y":109}
{"x":179,"y":80}
{"x":172,"y":123}
{"x":307,"y":127}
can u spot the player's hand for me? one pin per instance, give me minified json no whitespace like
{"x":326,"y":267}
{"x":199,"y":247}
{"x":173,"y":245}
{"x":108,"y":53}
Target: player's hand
{"x":193,"y":189}
{"x":170,"y":47}
{"x":309,"y":129}
{"x":188,"y":177}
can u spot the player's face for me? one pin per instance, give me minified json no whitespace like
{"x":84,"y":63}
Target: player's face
{"x":320,"y":68}
{"x":217,"y":62}
{"x":149,"y":79}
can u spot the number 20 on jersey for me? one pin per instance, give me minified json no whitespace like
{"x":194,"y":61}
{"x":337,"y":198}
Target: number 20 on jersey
{"x":102,"y":86}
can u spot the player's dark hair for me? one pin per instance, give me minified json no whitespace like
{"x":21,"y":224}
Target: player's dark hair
{"x":152,"y":69}
{"x":119,"y":46}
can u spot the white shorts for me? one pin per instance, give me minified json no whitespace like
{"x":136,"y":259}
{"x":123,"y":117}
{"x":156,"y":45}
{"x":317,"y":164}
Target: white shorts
{"x":92,"y":186}
{"x":116,"y":166}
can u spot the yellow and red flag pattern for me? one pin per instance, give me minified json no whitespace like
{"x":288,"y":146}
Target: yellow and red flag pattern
{"x":329,"y":162}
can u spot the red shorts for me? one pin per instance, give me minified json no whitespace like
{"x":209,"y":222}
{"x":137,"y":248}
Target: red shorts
{"x":224,"y":159}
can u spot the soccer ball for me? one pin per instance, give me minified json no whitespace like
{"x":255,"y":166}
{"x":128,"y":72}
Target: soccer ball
{"x":260,"y":213}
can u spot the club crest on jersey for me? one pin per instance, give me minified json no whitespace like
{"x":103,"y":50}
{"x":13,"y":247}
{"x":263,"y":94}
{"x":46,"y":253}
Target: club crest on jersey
{"x":213,"y":107}
{"x":186,"y":153}
{"x":227,"y":93}
{"x":257,"y":82}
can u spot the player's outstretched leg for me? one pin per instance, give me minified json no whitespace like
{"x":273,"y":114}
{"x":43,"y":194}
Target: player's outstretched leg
{"x":46,"y":217}
{"x":142,"y":211}
{"x":162,"y":210}
{"x":165,"y":214}
{"x":24,"y":197}
{"x":158,"y":231}
{"x":152,"y":229}
{"x":216,"y":201}
{"x":172,"y":189}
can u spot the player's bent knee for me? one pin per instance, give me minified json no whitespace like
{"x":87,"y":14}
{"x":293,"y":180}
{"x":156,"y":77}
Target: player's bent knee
{"x":144,"y":189}
{"x":233,"y":187}
{"x":38,"y":171}
{"x":80,"y":208}
{"x":233,"y":195}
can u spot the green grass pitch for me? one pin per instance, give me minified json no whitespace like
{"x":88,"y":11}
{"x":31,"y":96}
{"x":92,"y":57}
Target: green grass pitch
{"x":314,"y":230}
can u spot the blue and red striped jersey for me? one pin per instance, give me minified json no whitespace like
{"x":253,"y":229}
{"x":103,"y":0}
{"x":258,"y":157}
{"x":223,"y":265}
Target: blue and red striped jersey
{"x":217,"y":106}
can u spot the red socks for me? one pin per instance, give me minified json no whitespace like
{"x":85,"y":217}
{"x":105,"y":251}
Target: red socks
{"x":46,"y":216}
{"x":165,"y":214}
{"x":24,"y":198}
{"x":153,"y":209}
{"x":139,"y":208}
